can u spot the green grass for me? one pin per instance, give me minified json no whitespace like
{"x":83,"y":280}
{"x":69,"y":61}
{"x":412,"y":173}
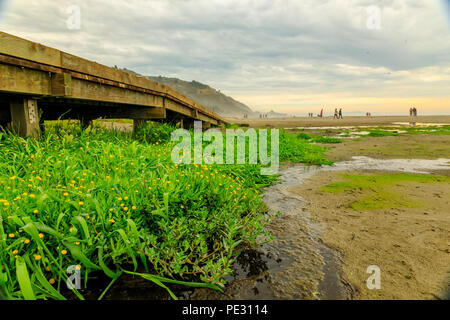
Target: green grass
{"x":317,"y":139}
{"x":377,"y":191}
{"x":114,"y":203}
{"x":381,"y":133}
{"x":435,"y":130}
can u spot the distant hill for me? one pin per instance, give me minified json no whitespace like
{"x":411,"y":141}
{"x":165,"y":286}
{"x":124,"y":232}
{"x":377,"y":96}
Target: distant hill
{"x":205,"y":95}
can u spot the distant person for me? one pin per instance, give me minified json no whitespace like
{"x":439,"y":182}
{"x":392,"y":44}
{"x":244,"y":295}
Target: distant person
{"x":340,"y":113}
{"x":336,"y":114}
{"x":410,"y":112}
{"x":415,"y":112}
{"x":321,"y":113}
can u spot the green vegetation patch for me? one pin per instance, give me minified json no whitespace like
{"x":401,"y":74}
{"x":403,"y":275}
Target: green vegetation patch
{"x":317,"y":139}
{"x":381,"y":133}
{"x":378,"y":191}
{"x":436,"y":130}
{"x":114,"y":202}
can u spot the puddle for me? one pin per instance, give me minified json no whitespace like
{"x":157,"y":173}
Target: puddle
{"x":420,"y":124}
{"x":401,"y":165}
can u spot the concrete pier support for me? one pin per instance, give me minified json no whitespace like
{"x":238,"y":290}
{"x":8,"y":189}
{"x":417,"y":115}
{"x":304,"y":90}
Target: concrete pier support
{"x":25,"y":117}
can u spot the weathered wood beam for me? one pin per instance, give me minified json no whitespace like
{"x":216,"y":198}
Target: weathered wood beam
{"x":68,"y":111}
{"x":61,"y":84}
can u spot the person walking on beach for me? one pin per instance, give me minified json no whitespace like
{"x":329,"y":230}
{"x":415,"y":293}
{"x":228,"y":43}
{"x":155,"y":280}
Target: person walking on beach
{"x":336,"y":115}
{"x":321,"y":113}
{"x":414,"y":112}
{"x":340,"y":113}
{"x":410,"y":112}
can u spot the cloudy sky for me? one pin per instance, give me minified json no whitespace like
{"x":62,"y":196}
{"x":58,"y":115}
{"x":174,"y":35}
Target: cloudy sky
{"x":292,"y":56}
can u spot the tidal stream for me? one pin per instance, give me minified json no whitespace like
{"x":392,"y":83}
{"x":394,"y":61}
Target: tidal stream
{"x":296,"y":264}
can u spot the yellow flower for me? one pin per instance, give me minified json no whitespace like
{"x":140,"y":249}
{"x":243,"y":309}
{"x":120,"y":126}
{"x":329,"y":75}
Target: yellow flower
{"x":15,"y":252}
{"x":111,"y":210}
{"x":126,"y":198}
{"x":182,"y":207}
{"x":120,"y":199}
{"x":78,"y":267}
{"x":133,"y":207}
{"x":65,"y":194}
{"x":35,"y":211}
{"x":27,"y":241}
{"x":32,"y":196}
{"x":80,"y":203}
{"x":41,"y":235}
{"x":37,"y":257}
{"x":126,"y":208}
{"x":47,"y":268}
{"x":63,"y":251}
{"x":11,"y":235}
{"x":77,"y":243}
{"x":112,"y":220}
{"x":51,"y":281}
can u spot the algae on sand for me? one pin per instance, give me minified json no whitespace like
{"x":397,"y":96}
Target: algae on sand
{"x":378,"y":191}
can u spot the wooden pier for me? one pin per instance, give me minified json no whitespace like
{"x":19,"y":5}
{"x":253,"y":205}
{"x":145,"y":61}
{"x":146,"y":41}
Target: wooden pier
{"x":40,"y":83}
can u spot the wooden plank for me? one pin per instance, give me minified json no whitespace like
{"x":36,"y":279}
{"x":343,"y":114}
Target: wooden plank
{"x":18,"y":47}
{"x":92,"y":91}
{"x":61,"y":84}
{"x":80,"y":111}
{"x":26,"y":81}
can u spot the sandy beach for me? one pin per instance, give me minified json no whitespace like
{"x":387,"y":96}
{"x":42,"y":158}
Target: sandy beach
{"x":330,"y":122}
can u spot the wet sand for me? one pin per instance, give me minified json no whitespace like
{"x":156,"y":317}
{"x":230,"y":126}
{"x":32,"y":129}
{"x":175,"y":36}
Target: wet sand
{"x":392,"y":147}
{"x":330,"y":122}
{"x":410,"y":245}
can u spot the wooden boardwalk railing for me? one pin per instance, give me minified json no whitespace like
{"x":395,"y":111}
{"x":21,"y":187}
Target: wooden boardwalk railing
{"x":40,"y":83}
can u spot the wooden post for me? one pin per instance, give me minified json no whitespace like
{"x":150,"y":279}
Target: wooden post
{"x":25,"y":117}
{"x":85,"y":122}
{"x":188,"y":123}
{"x":206,"y":125}
{"x":137,"y":123}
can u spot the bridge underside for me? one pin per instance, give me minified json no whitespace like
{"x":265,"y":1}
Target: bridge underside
{"x":38,"y":83}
